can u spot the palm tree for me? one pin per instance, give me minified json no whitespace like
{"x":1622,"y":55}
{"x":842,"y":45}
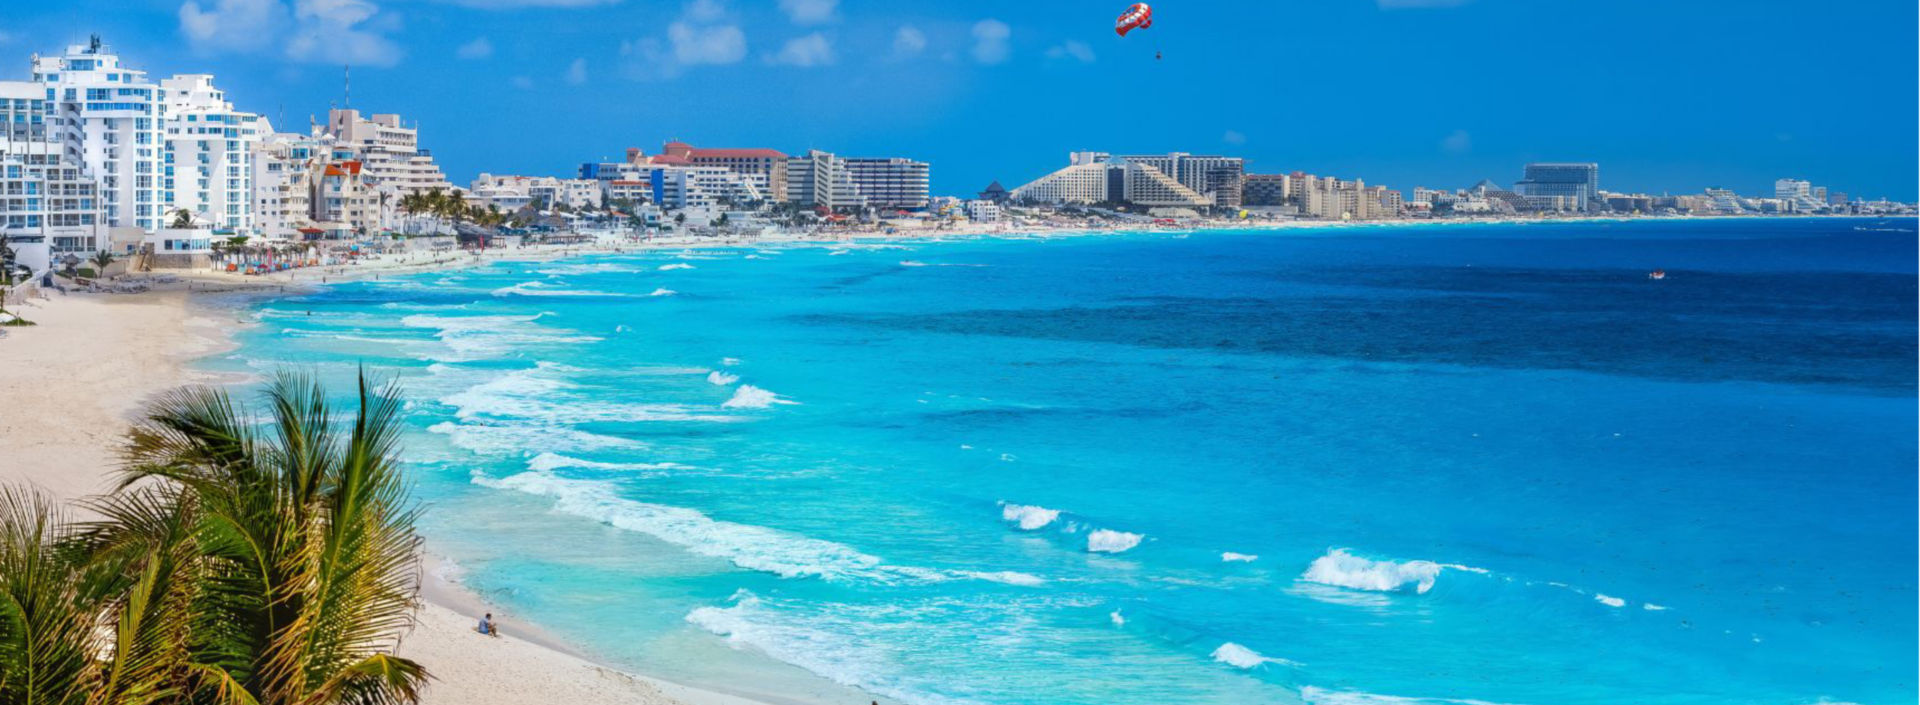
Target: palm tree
{"x":100,"y":261}
{"x":238,"y":563}
{"x":183,"y":219}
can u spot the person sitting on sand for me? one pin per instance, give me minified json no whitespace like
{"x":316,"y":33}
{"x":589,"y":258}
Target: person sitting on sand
{"x":487,"y":626}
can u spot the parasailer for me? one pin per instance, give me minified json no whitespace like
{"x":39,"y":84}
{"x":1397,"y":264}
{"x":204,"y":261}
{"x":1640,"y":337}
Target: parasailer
{"x":1139,"y":16}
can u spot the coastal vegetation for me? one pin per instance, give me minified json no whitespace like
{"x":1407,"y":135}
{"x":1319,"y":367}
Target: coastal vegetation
{"x":248,"y":557}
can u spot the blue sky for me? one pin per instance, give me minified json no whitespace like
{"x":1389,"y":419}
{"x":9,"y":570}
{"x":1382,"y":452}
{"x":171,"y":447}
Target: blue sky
{"x":1665,"y":94}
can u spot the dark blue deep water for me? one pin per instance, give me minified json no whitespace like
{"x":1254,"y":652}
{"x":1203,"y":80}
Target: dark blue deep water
{"x":1386,"y":465}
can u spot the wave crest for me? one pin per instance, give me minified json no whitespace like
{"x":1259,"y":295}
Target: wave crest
{"x":1342,"y":569}
{"x":1028,"y":517}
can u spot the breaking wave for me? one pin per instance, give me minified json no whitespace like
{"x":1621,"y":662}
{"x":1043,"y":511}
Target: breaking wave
{"x":1342,"y":569}
{"x":721,"y":379}
{"x":747,"y":396}
{"x":1110,"y":541}
{"x":1027,"y":517}
{"x":1242,"y":657}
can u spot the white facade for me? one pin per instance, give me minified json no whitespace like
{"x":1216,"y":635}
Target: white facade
{"x":1078,"y":183}
{"x":983,"y":211}
{"x":394,"y":161}
{"x":48,"y":208}
{"x":513,"y":192}
{"x":211,"y":150}
{"x":111,"y":118}
{"x":821,"y":180}
{"x":282,"y":187}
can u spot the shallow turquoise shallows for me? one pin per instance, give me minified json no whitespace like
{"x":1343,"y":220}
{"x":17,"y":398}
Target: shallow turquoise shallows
{"x":1357,"y":465}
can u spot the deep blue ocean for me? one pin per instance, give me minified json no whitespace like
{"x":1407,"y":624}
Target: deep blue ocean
{"x":1368,"y":465}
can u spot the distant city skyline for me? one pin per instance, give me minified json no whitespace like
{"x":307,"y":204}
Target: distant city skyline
{"x":1403,"y":93}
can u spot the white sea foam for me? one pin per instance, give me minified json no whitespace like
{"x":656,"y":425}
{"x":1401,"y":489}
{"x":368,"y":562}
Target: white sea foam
{"x":1321,"y":696}
{"x":554,"y":461}
{"x":1342,"y":569}
{"x":484,"y":337}
{"x":663,"y":291}
{"x":509,"y":440}
{"x":542,"y":394}
{"x":1242,"y":657}
{"x":1117,"y":619}
{"x":721,"y":379}
{"x":1029,"y":518}
{"x":747,"y":396}
{"x":729,"y":361}
{"x":750,"y":547}
{"x":911,"y":263}
{"x":1110,"y":541}
{"x":1231,"y":557}
{"x":1650,"y":607}
{"x":536,"y":288}
{"x":1609,"y":600}
{"x":1007,"y":577}
{"x":837,"y":645}
{"x":674,"y":266}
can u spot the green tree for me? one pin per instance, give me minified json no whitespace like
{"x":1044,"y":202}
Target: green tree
{"x":182,"y":219}
{"x":100,"y":261}
{"x":239,"y":563}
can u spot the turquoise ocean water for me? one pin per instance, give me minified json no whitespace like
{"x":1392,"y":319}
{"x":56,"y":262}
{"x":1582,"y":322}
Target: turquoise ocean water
{"x":1492,"y":464}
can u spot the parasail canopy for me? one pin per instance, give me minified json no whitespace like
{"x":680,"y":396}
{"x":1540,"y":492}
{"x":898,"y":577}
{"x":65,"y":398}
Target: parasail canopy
{"x":1139,"y":16}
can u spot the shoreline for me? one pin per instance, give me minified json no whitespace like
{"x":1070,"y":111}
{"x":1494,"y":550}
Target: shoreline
{"x":157,"y":337}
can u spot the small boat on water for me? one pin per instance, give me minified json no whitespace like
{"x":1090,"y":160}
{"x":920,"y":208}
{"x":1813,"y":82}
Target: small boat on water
{"x":1657,"y":274}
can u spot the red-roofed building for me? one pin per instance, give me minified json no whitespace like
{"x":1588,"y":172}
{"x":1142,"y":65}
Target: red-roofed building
{"x":768,"y":167}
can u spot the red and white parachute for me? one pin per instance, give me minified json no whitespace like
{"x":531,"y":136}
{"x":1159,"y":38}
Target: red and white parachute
{"x":1137,"y":17}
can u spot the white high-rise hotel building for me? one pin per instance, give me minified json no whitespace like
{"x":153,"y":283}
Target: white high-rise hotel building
{"x":110,"y":119}
{"x":210,"y":153}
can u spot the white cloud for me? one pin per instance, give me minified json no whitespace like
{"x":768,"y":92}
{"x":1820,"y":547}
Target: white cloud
{"x":810,"y":50}
{"x":577,"y":71}
{"x":990,"y":45}
{"x":479,"y":48}
{"x":342,"y":32}
{"x":702,"y":35}
{"x":1415,"y":4}
{"x":805,"y":12}
{"x":1457,"y":143}
{"x":232,"y":25}
{"x":908,"y":41}
{"x":716,"y":44}
{"x":1233,"y":137}
{"x":522,"y":82}
{"x":1078,"y":51}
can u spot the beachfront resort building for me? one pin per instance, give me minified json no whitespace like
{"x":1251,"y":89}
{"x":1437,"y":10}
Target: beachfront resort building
{"x":1153,"y":181}
{"x":211,"y":148}
{"x":892,"y":183}
{"x":1801,"y":195}
{"x":1560,"y":186}
{"x":110,"y":119}
{"x":766,"y":167}
{"x":48,"y":207}
{"x":306,"y":189}
{"x":511,"y":193}
{"x":820,"y":179}
{"x":388,"y":150}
